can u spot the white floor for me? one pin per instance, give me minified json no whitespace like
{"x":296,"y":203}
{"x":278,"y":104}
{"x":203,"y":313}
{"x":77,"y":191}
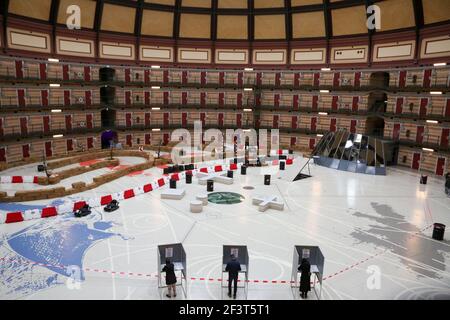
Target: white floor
{"x":366,"y":226}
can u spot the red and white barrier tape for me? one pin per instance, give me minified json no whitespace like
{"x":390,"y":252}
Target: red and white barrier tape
{"x":18,"y":179}
{"x":19,"y":216}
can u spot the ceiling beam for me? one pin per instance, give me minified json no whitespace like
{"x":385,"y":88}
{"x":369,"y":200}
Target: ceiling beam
{"x":214,"y":6}
{"x":138,"y":19}
{"x":288,"y":20}
{"x":176,"y":20}
{"x":5,"y":14}
{"x":250,"y":20}
{"x":97,"y":25}
{"x":327,"y":17}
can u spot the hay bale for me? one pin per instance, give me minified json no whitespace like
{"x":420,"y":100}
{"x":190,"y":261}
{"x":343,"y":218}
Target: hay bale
{"x":79,"y":185}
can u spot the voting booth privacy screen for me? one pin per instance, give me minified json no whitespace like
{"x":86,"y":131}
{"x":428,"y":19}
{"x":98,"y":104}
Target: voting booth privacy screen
{"x":177,"y":255}
{"x":240,"y":252}
{"x":316,"y":260}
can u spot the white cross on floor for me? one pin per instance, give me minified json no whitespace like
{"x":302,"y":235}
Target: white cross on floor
{"x":265,"y":202}
{"x":216,"y":176}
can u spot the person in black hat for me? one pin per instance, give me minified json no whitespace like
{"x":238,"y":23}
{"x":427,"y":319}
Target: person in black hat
{"x":305,"y":278}
{"x":233,"y":267}
{"x":171,"y":278}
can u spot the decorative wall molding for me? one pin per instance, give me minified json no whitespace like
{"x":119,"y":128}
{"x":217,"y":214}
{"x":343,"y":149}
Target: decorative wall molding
{"x":232,"y":56}
{"x":269,"y":56}
{"x":194,"y":55}
{"x":116,"y":50}
{"x":156,"y":53}
{"x":435,"y":47}
{"x":75,"y":47}
{"x":28,"y":40}
{"x":394,"y":51}
{"x":353,"y":54}
{"x":308,"y":56}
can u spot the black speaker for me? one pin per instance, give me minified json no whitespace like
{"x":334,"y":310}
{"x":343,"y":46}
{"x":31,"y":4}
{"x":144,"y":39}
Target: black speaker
{"x":230,"y":173}
{"x":267,"y":179}
{"x":189,"y":167}
{"x":173,"y":184}
{"x":166,"y":170}
{"x":210,"y":185}
{"x":423,"y":179}
{"x":243,"y":170}
{"x":282,"y":157}
{"x":235,"y":160}
{"x":282,"y":165}
{"x":438,"y":231}
{"x":41,"y":168}
{"x":188,"y":178}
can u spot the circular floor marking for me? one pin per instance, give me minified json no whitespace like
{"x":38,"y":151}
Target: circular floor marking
{"x":225,"y":197}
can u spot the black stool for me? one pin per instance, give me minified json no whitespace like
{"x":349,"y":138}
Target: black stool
{"x":173,"y":184}
{"x":243,"y":170}
{"x":267,"y":179}
{"x":189,"y":178}
{"x":210,"y":185}
{"x":438,"y":231}
{"x":423,"y":179}
{"x":230,"y":173}
{"x":282,"y":165}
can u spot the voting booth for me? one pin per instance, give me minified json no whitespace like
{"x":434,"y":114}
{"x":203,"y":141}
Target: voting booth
{"x":177,"y":255}
{"x":241,"y":254}
{"x":316,"y":260}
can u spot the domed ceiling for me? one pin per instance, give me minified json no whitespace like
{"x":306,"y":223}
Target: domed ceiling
{"x":235,"y":20}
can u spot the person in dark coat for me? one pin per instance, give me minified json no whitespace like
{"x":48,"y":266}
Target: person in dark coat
{"x":171,"y":278}
{"x":233,"y":267}
{"x":305,"y":278}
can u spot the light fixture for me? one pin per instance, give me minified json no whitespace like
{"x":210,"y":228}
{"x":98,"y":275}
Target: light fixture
{"x":156,"y":87}
{"x":320,"y":135}
{"x":440,"y":64}
{"x":53,"y":60}
{"x":56,"y":110}
{"x":54,"y":85}
{"x":436,"y":92}
{"x":428,"y":149}
{"x":246,"y":130}
{"x":432,"y":121}
{"x":326,"y":69}
{"x":58,"y":136}
{"x":156,"y":129}
{"x":323,"y":113}
{"x":156,"y":108}
{"x":248,"y":110}
{"x":248,"y":89}
{"x":155,"y":67}
{"x":324,"y":91}
{"x":248,"y":69}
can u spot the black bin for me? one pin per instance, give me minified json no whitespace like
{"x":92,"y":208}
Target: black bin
{"x":267,"y":179}
{"x":210,"y":185}
{"x":173,"y":184}
{"x":243,"y":170}
{"x":438,"y":231}
{"x":189,"y":178}
{"x":423,"y":179}
{"x":230,"y":173}
{"x":282,"y":165}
